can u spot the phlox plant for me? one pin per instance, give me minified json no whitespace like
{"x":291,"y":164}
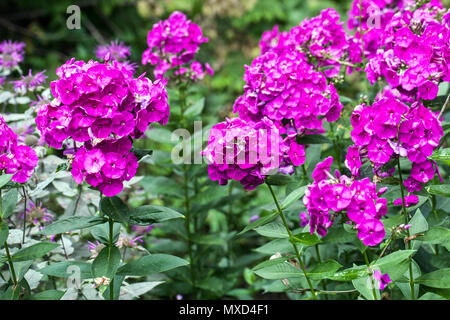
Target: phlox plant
{"x":328,"y":178}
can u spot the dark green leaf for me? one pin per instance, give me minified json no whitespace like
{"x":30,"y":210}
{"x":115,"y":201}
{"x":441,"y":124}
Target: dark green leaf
{"x":106,"y":263}
{"x":48,"y":295}
{"x":259,"y":222}
{"x":439,"y":189}
{"x":306,"y":239}
{"x":66,"y":269}
{"x":313,"y":139}
{"x":278,"y":180}
{"x":436,"y":279}
{"x":149,"y":214}
{"x":9,"y":201}
{"x":35,"y":251}
{"x":4,"y":179}
{"x":115,"y":208}
{"x":150,"y":264}
{"x":71,"y":223}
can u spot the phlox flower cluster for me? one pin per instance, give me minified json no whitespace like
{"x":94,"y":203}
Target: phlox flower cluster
{"x":358,"y":200}
{"x":390,"y":129}
{"x":412,"y":54}
{"x":99,"y":108}
{"x":244,"y":151}
{"x":11,"y":54}
{"x":19,"y":160}
{"x":172,"y":45}
{"x":287,"y":90}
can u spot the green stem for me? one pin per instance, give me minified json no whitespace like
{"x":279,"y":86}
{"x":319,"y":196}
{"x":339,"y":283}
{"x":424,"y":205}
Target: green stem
{"x":280,"y":212}
{"x":24,"y":214}
{"x":11,"y":264}
{"x":411,"y":279}
{"x":111,"y":245}
{"x":374,"y":291}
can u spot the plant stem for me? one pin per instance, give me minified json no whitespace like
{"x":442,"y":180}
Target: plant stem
{"x":366,"y":259}
{"x":229,"y":221}
{"x":280,"y":212}
{"x":111,"y":245}
{"x":411,"y":279}
{"x":24,"y":214}
{"x":443,"y":107}
{"x":11,"y":264}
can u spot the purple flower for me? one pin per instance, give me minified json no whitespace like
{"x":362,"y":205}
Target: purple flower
{"x":253,"y":218}
{"x":115,"y":50}
{"x":371,"y":232}
{"x":29,"y":82}
{"x":409,"y":200}
{"x":382,"y":280}
{"x":322,"y":167}
{"x":423,"y":171}
{"x":303,"y":219}
{"x":11,"y":54}
{"x":353,"y":160}
{"x":102,"y":108}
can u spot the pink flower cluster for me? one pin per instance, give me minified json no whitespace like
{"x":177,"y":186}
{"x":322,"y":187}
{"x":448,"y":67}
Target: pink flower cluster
{"x":244,"y":151}
{"x":413,"y":54}
{"x":101,"y":107}
{"x":287,"y":90}
{"x":389,"y":128}
{"x":172,"y":44}
{"x":11,"y":54}
{"x":19,"y":160}
{"x":331,"y":195}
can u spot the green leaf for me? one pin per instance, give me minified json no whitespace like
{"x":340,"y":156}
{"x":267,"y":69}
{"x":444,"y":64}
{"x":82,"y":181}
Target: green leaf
{"x":71,"y":223}
{"x":324,"y":269}
{"x":365,"y":285}
{"x":66,"y":269}
{"x":436,"y":279}
{"x":418,"y":223}
{"x":339,"y":235}
{"x":349,"y":274}
{"x":196,"y":109}
{"x":141,"y":153}
{"x":441,"y":154}
{"x":259,"y":222}
{"x":281,"y":270}
{"x":106,"y":263}
{"x":394,"y":258}
{"x":306,"y":239}
{"x":436,"y":235}
{"x":48,"y":295}
{"x":149,"y":214}
{"x":272,"y":262}
{"x":278,"y":180}
{"x":150,"y":264}
{"x":313,"y":139}
{"x":293,"y":196}
{"x":115,"y":208}
{"x":439,"y":189}
{"x":9,"y":201}
{"x":4,"y":179}
{"x":405,"y":286}
{"x":273,"y":230}
{"x":431,"y":296}
{"x":101,"y":232}
{"x":35,"y":251}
